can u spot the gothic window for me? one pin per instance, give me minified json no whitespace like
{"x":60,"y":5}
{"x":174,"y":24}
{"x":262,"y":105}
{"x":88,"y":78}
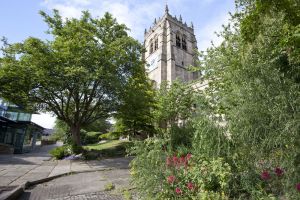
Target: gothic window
{"x":156,"y":44}
{"x":178,"y":42}
{"x":151,"y":46}
{"x":184,"y":42}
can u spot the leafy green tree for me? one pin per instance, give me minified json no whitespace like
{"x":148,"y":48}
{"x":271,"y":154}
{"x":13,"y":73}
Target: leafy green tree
{"x":174,"y":103}
{"x":135,"y":111}
{"x":175,"y":107}
{"x":78,"y":76}
{"x":61,"y":131}
{"x":99,"y":125}
{"x":254,"y":83}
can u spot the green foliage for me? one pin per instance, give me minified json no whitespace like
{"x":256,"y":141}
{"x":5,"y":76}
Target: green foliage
{"x":75,"y":149}
{"x":110,"y":136}
{"x":79,"y":76}
{"x":246,"y":124}
{"x":254,"y":86}
{"x":148,"y":166}
{"x":113,"y":148}
{"x":99,"y":125}
{"x":61,"y":131}
{"x":159,"y":173}
{"x":91,"y":138}
{"x":109,"y":187}
{"x":134,"y":114}
{"x":127,"y":195}
{"x":60,"y":152}
{"x":173,"y":104}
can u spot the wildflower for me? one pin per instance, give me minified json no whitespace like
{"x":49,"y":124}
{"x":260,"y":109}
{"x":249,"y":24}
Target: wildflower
{"x":169,"y":161}
{"x":175,"y":160}
{"x":278,"y":171}
{"x":178,"y":190}
{"x":265,"y":175}
{"x":188,"y":156}
{"x":182,"y":159}
{"x":298,"y":186}
{"x":171,"y":179}
{"x":190,"y":186}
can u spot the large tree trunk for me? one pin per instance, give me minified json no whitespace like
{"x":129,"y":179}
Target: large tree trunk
{"x":75,"y":131}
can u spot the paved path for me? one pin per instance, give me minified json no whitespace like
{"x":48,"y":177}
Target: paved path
{"x":25,"y":166}
{"x":17,"y":169}
{"x":89,"y":185}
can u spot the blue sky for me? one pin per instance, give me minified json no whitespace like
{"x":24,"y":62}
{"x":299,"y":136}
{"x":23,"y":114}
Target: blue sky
{"x":19,"y":19}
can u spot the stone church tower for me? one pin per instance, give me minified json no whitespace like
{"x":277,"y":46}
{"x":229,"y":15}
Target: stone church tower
{"x":170,"y":49}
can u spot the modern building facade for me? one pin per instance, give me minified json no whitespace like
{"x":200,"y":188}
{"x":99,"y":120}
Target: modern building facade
{"x":171,"y":48}
{"x":17,"y":132}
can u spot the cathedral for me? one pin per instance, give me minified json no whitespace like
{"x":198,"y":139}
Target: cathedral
{"x":171,"y":48}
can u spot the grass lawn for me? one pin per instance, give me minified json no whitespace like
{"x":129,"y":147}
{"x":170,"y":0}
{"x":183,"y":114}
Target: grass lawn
{"x":110,"y":144}
{"x":110,"y":148}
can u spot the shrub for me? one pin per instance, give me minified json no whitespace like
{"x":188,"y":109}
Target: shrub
{"x":91,"y":154}
{"x":91,"y":137}
{"x":60,"y":152}
{"x":109,"y":187}
{"x":75,"y":149}
{"x":162,"y":174}
{"x":148,"y":166}
{"x":110,"y":136}
{"x":127,"y":195}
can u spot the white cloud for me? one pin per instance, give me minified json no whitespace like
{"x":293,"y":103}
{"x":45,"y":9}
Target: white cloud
{"x":135,"y":14}
{"x":45,"y":120}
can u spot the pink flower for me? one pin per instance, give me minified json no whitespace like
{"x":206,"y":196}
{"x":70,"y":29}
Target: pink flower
{"x":190,"y":186}
{"x":171,"y":179}
{"x":178,"y":190}
{"x":182,"y":159}
{"x":265,"y":175}
{"x":188,"y":156}
{"x":298,"y":187}
{"x":278,"y":171}
{"x":169,"y":161}
{"x":175,"y":160}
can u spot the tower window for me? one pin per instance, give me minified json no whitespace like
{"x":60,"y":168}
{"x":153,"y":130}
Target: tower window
{"x":156,"y":44}
{"x":151,"y":46}
{"x":184,"y":42}
{"x":178,"y":42}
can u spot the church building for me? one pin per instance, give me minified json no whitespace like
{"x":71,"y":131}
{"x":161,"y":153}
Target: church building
{"x":171,"y":48}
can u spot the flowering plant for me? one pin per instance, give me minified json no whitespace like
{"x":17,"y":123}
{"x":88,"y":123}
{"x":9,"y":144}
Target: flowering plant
{"x":189,"y":177}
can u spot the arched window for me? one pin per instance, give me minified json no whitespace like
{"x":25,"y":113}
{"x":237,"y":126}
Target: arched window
{"x":184,"y":42}
{"x":178,"y":41}
{"x":156,"y":44}
{"x":151,"y":46}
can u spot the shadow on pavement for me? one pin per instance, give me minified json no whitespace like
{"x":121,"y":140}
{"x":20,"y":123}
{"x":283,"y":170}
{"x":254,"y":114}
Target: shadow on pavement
{"x":37,"y":156}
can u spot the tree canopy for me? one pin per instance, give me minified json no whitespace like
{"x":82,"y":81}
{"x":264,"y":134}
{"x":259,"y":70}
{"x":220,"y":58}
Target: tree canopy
{"x":79,"y":75}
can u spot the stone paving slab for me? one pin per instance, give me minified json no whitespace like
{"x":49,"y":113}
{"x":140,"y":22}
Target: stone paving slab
{"x":89,"y":185}
{"x":18,"y":169}
{"x":79,"y":166}
{"x":20,"y":173}
{"x":89,"y":196}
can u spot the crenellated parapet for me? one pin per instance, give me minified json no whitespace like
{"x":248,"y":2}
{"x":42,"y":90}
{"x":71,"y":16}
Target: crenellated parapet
{"x":167,"y":16}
